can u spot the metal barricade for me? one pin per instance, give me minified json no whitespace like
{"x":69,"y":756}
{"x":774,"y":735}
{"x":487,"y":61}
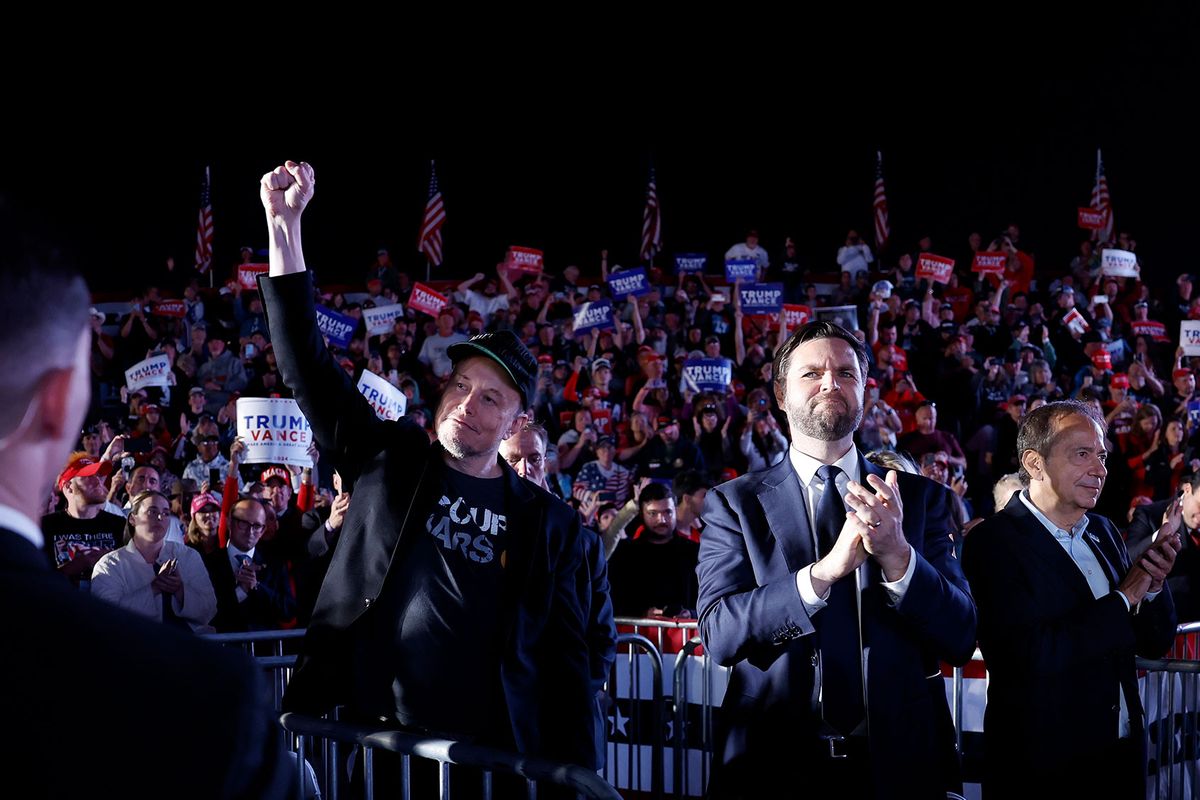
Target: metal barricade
{"x":267,"y":649}
{"x":1187,"y":642}
{"x":632,"y":646}
{"x":681,"y":773}
{"x":1170,"y":691}
{"x":445,"y":752}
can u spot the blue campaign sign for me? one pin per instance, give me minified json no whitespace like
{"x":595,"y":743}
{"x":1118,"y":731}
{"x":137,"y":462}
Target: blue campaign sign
{"x":761,"y":298}
{"x":337,"y":328}
{"x":708,"y":374}
{"x":593,"y":316}
{"x":628,"y":282}
{"x":744,"y":268}
{"x":690,"y":262}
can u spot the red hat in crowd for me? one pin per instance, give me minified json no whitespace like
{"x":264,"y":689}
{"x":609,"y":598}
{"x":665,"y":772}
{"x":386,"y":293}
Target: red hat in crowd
{"x":1180,"y":373}
{"x":202,"y":500}
{"x":275,"y":472}
{"x":83,"y":466}
{"x":1101,"y":359}
{"x":1120,"y":380}
{"x":872,"y":383}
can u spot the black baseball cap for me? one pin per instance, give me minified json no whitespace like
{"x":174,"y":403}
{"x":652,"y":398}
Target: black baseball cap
{"x":505,"y":349}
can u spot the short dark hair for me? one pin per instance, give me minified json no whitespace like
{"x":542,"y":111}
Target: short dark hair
{"x":654,"y":492}
{"x":689,"y":481}
{"x":44,"y":304}
{"x":811,"y":331}
{"x":1039,"y":429}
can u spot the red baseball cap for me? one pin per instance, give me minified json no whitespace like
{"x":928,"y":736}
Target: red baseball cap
{"x":1101,"y":359}
{"x":83,"y":466}
{"x":275,"y":472}
{"x":1120,"y":380}
{"x":1180,"y":373}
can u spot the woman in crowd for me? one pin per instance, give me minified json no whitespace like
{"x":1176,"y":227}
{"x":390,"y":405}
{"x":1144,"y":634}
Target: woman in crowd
{"x":150,"y":576}
{"x":202,"y":530}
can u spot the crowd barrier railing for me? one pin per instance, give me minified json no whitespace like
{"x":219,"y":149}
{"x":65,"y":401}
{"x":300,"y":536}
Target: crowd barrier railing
{"x":490,"y":761}
{"x":660,"y":720}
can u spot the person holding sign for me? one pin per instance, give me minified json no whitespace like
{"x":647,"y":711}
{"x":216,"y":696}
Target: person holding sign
{"x":783,"y":601}
{"x":454,"y":601}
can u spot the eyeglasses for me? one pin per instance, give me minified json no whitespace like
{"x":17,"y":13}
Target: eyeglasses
{"x":245,"y":523}
{"x":210,"y":440}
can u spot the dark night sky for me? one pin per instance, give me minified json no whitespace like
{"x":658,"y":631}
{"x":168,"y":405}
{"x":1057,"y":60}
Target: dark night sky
{"x":564,"y":167}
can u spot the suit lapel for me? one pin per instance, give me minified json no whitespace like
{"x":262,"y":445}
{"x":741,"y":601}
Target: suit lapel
{"x":786,"y":511}
{"x":1045,"y":549}
{"x":1096,"y":536}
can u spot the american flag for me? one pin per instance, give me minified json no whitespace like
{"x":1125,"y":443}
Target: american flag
{"x":1100,"y":202}
{"x":651,"y":222}
{"x":881,"y":211}
{"x":204,"y":229}
{"x":430,"y":241}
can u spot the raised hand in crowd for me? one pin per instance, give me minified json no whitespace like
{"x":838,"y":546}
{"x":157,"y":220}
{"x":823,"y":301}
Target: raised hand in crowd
{"x":115,"y":449}
{"x":338,"y":509}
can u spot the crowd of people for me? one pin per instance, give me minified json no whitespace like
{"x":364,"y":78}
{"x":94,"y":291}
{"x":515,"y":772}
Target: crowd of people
{"x":954,"y":368}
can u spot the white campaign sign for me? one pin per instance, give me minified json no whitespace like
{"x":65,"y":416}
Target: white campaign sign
{"x":1120,"y":263}
{"x":388,"y":401}
{"x":274,"y":430}
{"x":154,"y":371}
{"x":1189,"y":337}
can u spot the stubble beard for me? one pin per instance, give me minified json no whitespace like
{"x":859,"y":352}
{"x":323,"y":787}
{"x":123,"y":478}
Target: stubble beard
{"x":824,"y":421}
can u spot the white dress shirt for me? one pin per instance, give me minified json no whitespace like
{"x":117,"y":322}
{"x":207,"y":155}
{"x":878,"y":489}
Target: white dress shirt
{"x":18,"y":523}
{"x":812,"y":487}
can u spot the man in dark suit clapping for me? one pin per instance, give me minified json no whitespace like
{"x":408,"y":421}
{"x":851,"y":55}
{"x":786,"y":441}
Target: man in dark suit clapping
{"x":833,"y":592}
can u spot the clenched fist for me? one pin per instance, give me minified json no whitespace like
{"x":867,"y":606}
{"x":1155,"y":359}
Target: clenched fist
{"x":286,"y":190}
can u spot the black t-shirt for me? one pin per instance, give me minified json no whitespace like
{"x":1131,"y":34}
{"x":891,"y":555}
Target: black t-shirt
{"x":66,"y":536}
{"x":645,"y":575}
{"x":435,"y":633}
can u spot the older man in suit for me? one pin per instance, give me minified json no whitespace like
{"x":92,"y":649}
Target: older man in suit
{"x":1185,"y":574}
{"x":833,"y":593}
{"x":1062,"y":613}
{"x":69,"y":660}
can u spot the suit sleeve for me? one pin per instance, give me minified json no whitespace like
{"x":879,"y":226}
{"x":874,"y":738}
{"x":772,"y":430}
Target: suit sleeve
{"x":602,"y":630}
{"x":340,"y":416}
{"x":1141,"y":532}
{"x":739,"y":619}
{"x":938,"y":602}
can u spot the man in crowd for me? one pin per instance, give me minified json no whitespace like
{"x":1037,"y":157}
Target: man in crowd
{"x":498,"y":558}
{"x":802,"y":566}
{"x":77,"y":536}
{"x":55,"y":636}
{"x":1062,"y":612}
{"x":654,"y":574}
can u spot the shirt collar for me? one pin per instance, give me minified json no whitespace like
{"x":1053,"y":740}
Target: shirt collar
{"x":21,"y":525}
{"x":806,"y":466}
{"x":234,"y":552}
{"x":1076,"y":529}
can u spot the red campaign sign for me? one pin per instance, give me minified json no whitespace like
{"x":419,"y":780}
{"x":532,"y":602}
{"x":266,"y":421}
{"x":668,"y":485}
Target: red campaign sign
{"x":935,"y":268}
{"x":426,"y":300}
{"x":169,"y":308}
{"x":1155,"y":330}
{"x":989,"y":263}
{"x":1092,"y":219}
{"x":248,"y":274}
{"x":796,"y":315}
{"x":602,"y":419}
{"x":525,"y":259}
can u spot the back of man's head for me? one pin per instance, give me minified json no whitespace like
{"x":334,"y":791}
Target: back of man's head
{"x":44,"y":307}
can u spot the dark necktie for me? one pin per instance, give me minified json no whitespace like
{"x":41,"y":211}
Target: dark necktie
{"x":841,"y":652}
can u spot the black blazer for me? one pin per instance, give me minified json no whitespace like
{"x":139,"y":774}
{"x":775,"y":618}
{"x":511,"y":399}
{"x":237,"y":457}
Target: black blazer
{"x":1184,"y":580}
{"x":270,"y":606}
{"x":176,"y":716}
{"x":556,"y":638}
{"x":757,"y":535}
{"x":1057,"y":657}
